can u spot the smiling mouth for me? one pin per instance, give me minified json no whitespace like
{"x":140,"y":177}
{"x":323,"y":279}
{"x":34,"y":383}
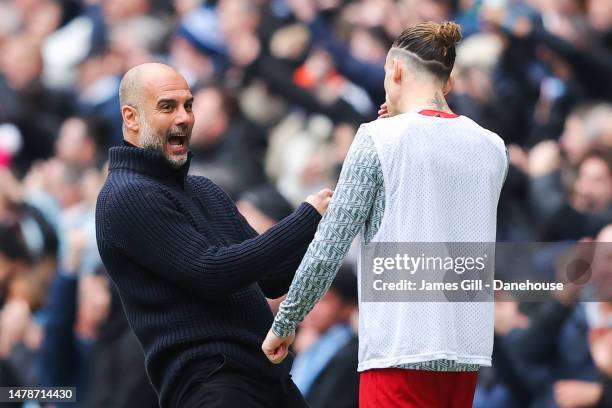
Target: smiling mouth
{"x":177,"y":140}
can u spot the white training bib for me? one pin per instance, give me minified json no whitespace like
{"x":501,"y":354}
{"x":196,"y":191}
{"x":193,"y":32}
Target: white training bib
{"x":442,"y":178}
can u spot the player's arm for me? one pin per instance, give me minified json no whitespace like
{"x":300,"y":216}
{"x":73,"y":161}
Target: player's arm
{"x":351,"y":204}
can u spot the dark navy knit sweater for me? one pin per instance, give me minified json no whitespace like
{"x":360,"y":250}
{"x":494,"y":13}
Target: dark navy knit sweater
{"x":192,"y":274}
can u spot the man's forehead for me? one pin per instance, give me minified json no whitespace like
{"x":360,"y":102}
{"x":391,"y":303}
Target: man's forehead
{"x":169,"y":85}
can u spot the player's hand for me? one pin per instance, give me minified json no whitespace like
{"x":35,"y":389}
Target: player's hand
{"x":383,"y":112}
{"x":276,"y":348}
{"x":321,"y":200}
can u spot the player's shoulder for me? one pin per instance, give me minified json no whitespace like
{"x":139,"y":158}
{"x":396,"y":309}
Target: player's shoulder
{"x":471,"y":122}
{"x":391,"y":125}
{"x":493,"y":137}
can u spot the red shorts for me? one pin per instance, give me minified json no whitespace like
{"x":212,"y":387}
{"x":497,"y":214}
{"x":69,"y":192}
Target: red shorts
{"x":400,"y":388}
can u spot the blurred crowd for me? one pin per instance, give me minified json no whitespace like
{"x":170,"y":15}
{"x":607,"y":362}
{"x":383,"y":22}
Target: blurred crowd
{"x":280,"y":88}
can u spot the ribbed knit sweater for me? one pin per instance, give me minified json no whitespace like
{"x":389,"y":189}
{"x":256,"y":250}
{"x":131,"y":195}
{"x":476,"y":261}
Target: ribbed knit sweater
{"x":192,"y":274}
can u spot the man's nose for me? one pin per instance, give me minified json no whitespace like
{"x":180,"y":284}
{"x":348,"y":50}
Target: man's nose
{"x":183,"y":117}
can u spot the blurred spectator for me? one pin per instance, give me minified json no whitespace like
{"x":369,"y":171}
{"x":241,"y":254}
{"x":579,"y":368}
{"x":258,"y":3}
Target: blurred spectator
{"x":34,"y":111}
{"x":579,"y":393}
{"x":586,"y":127}
{"x":136,"y":40}
{"x":24,"y":288}
{"x":14,"y":257}
{"x":593,"y":188}
{"x":116,"y":10}
{"x":588,"y":208}
{"x":263,"y":207}
{"x":509,"y":382}
{"x":98,"y":89}
{"x":88,"y":341}
{"x":227,"y":147}
{"x":564,"y":323}
{"x":16,"y":211}
{"x":82,"y":141}
{"x":198,"y":49}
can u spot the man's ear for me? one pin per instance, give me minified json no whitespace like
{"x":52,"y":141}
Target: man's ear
{"x":448,"y":86}
{"x":130,"y":118}
{"x":397,"y":70}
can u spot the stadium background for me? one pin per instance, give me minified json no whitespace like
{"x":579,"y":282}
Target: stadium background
{"x":280,"y":88}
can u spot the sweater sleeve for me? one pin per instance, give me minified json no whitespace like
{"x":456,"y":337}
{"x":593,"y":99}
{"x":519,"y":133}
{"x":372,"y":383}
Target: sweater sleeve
{"x":275,"y":283}
{"x":350,"y":207}
{"x":147,"y":227}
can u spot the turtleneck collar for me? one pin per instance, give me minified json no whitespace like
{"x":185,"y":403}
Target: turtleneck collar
{"x":149,"y":162}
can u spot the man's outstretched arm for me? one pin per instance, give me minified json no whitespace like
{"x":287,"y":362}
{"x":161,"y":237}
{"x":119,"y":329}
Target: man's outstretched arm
{"x":277,"y":279}
{"x":151,"y":231}
{"x":350,"y":207}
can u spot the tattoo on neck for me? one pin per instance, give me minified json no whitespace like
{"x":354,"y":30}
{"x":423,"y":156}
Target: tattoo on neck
{"x":439,"y":103}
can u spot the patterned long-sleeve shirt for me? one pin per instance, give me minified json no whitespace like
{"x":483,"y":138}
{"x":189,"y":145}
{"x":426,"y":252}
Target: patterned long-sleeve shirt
{"x":357,"y":206}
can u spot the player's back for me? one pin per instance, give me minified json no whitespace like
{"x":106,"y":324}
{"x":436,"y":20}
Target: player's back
{"x":442,"y":177}
{"x":442,"y":180}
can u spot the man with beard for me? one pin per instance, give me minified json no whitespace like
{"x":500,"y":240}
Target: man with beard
{"x":192,"y":274}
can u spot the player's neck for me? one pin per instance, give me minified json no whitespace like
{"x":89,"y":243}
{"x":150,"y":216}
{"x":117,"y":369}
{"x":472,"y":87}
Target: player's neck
{"x":432,"y":99}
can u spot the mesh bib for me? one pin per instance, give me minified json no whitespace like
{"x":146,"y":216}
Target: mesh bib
{"x":442,"y":180}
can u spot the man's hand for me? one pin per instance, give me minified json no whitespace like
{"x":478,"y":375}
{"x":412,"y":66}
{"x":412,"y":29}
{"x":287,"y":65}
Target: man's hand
{"x":321,"y":200}
{"x":276,"y":348}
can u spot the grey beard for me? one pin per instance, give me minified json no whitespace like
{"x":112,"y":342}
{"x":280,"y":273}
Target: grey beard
{"x":152,"y":141}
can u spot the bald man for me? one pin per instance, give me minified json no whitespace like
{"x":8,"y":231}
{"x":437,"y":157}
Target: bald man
{"x":192,"y":274}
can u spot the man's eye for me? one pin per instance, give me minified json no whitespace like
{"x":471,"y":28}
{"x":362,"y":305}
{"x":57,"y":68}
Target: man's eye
{"x":188,"y":106}
{"x":165,"y":107}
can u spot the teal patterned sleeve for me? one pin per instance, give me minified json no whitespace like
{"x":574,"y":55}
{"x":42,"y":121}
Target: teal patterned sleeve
{"x":352,"y":203}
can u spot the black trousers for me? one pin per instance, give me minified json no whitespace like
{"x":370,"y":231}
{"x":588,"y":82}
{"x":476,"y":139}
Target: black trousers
{"x":217,"y":383}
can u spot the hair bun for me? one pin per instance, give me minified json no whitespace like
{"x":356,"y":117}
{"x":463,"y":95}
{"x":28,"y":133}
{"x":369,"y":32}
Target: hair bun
{"x":448,"y":33}
{"x":434,"y":43}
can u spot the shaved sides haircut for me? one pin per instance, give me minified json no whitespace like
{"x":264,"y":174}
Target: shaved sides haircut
{"x":429,"y":46}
